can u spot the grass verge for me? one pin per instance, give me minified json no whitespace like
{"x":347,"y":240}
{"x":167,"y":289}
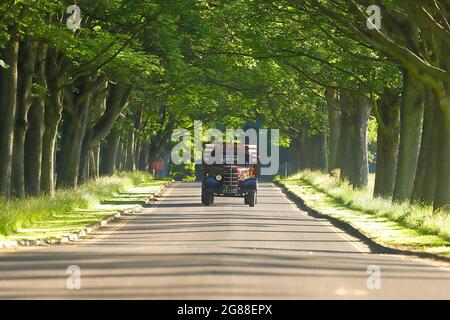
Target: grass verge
{"x":399,"y":225}
{"x":70,"y":211}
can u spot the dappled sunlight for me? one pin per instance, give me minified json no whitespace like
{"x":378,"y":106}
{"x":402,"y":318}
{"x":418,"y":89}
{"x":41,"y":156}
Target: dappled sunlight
{"x":63,"y":216}
{"x":399,"y":225}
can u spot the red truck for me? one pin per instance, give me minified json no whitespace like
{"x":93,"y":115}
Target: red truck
{"x":234,"y":175}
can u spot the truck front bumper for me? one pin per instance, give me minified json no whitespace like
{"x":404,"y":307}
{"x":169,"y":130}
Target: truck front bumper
{"x":212,"y":185}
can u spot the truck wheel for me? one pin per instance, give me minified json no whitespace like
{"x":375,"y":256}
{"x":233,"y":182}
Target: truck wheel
{"x":204,"y":200}
{"x":207,"y":198}
{"x":251,"y":198}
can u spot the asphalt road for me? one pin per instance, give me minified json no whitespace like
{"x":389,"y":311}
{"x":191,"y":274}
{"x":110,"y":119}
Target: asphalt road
{"x":179,"y":249}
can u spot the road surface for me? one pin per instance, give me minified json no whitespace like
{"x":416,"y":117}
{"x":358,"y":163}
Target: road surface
{"x":179,"y":249}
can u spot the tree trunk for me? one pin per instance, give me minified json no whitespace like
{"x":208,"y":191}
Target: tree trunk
{"x":109,"y":154}
{"x":85,"y":156}
{"x":442,"y":193}
{"x":52,"y":113}
{"x":33,"y":147}
{"x":411,"y":114}
{"x":137,"y":149}
{"x":322,"y":163}
{"x":116,"y":101}
{"x":52,"y":116}
{"x":35,"y":132}
{"x":387,"y":142}
{"x":94,"y":162}
{"x":97,"y":110}
{"x":426,"y":173}
{"x":334,"y":115}
{"x":26,"y":65}
{"x":8,"y":103}
{"x":143,"y":164}
{"x":129,"y":160}
{"x":75,"y":117}
{"x":360,"y":170}
{"x":344,"y":159}
{"x":314,"y":152}
{"x":121,"y":155}
{"x":307,"y":154}
{"x":294,"y":155}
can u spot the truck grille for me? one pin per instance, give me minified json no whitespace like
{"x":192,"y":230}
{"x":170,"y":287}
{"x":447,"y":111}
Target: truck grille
{"x":230,"y":177}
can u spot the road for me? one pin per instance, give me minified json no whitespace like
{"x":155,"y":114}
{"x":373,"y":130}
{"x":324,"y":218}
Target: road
{"x":178,"y":249}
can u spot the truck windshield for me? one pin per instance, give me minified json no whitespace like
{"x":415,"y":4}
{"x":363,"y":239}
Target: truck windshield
{"x":238,"y":154}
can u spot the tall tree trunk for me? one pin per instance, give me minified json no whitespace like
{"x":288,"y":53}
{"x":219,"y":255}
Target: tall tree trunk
{"x":137,"y":140}
{"x":75,"y":118}
{"x":129,"y":160}
{"x":322,"y":160}
{"x":442,"y":90}
{"x":314,"y":152}
{"x":108,"y":162}
{"x":26,"y":65}
{"x":121,"y":156}
{"x":426,"y":173}
{"x":116,"y":101}
{"x":360,"y":170}
{"x":334,"y":116}
{"x":411,"y":114}
{"x":387,"y":142}
{"x":94,"y":162}
{"x":143,"y":157}
{"x":35,"y":132}
{"x":307,"y":152}
{"x":33,"y":147}
{"x":137,"y":149}
{"x":442,"y":192}
{"x":294,"y":155}
{"x":85,"y":156}
{"x":53,"y":107}
{"x":97,"y":110}
{"x":55,"y":63}
{"x":8,"y":103}
{"x":344,"y":159}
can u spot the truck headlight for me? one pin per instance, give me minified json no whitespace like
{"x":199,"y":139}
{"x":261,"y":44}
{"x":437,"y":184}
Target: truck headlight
{"x":243,"y":177}
{"x":218,"y":177}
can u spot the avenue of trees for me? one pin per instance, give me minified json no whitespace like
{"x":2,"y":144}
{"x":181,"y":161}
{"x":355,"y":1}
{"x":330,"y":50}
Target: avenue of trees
{"x":77,"y":104}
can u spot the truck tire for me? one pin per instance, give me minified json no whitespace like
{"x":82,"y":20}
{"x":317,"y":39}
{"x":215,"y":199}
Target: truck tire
{"x":207,"y":198}
{"x":203,"y":197}
{"x":251,"y":198}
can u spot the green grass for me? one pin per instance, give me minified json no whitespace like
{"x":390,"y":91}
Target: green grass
{"x":401,"y":225}
{"x":72,"y":210}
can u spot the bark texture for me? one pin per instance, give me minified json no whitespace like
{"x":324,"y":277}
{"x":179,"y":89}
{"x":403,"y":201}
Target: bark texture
{"x":8,"y":104}
{"x":411,"y":114}
{"x":387,"y":142}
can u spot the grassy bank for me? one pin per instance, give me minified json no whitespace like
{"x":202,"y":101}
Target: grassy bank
{"x":72,"y":210}
{"x":400,"y":225}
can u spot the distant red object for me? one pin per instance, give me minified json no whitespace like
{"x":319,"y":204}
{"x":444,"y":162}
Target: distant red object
{"x":158,"y":166}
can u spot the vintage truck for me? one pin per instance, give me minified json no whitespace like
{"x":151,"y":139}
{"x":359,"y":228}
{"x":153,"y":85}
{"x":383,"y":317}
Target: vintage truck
{"x":232,"y":173}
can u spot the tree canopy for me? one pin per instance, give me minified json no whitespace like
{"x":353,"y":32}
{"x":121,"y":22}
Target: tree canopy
{"x":107,"y":96}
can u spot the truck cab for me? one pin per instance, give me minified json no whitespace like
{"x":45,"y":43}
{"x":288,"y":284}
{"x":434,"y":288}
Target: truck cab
{"x":230,"y":170}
